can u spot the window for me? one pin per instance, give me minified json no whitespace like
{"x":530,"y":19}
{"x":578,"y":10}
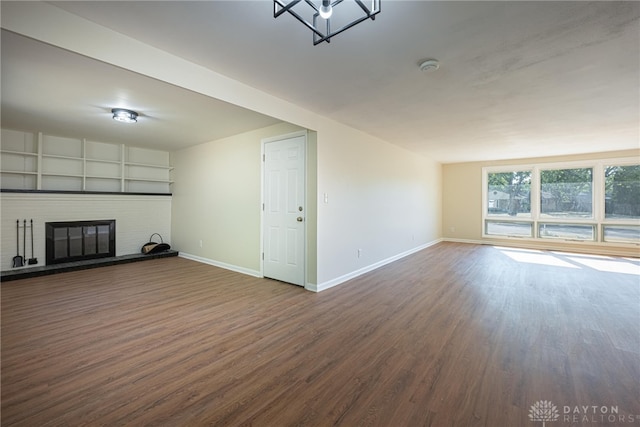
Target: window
{"x":509,"y":193}
{"x":566,"y":231}
{"x":622,"y":192}
{"x":621,"y":233}
{"x":511,"y":229}
{"x":566,"y":193}
{"x":593,"y":202}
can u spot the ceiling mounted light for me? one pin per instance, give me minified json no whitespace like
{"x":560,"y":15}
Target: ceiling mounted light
{"x":320,"y":16}
{"x":123,"y":115}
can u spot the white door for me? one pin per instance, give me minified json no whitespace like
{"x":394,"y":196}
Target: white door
{"x":284,"y":210}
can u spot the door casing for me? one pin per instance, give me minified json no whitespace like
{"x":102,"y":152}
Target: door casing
{"x":303,"y":249}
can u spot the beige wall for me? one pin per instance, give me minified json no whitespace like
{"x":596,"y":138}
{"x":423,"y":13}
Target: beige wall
{"x":217,"y":199}
{"x":462,"y":202}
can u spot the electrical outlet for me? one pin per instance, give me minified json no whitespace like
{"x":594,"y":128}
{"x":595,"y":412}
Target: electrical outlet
{"x":359,"y":252}
{"x":453,"y":229}
{"x":200,"y":243}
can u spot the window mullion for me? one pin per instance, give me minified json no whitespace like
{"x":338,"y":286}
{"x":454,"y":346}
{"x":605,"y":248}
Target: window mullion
{"x":598,"y":201}
{"x":535,"y":199}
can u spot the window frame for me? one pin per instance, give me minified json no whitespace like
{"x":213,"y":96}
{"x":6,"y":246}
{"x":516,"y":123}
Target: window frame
{"x":617,"y":241}
{"x":597,"y":220}
{"x":590,"y":224}
{"x":485,"y":179}
{"x":497,"y":221}
{"x":573,"y":220}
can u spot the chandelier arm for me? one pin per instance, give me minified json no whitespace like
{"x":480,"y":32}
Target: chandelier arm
{"x":346,"y":27}
{"x":370,"y":13}
{"x":313,"y":6}
{"x":322,"y":38}
{"x":306,"y":24}
{"x":283,"y":8}
{"x":318,"y":36}
{"x":364,"y":8}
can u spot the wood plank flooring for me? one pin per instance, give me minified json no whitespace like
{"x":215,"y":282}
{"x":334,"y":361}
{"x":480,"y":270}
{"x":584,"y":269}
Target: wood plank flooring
{"x":455,"y":335}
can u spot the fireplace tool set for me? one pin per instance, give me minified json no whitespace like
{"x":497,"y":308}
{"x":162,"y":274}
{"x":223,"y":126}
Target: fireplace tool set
{"x":19,"y":260}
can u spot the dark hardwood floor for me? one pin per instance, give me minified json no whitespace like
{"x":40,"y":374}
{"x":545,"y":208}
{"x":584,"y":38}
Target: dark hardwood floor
{"x":455,"y":335}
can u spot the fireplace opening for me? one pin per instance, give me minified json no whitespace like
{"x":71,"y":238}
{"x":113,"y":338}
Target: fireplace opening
{"x":80,"y":240}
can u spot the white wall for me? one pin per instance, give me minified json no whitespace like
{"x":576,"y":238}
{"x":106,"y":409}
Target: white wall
{"x":137,"y":217}
{"x":380,"y":199}
{"x":217,"y":199}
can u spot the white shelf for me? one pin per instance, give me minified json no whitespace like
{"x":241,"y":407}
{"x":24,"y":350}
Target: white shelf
{"x":149,"y":180}
{"x":148,"y":165}
{"x":55,"y":156}
{"x":69,"y":175}
{"x":21,"y":172}
{"x":102,"y":177}
{"x":19,"y":153}
{"x":117,"y":162}
{"x":60,"y":163}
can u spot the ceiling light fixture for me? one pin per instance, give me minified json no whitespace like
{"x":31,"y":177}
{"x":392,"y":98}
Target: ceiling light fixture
{"x":320,"y":22}
{"x":124,"y":115}
{"x":326,"y":10}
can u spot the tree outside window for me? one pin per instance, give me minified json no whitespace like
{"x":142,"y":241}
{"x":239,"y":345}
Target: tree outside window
{"x":622,"y":192}
{"x":566,"y":193}
{"x":509,"y":193}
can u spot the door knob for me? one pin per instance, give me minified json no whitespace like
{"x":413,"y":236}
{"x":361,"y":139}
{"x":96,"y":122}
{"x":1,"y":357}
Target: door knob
{"x":299,"y":219}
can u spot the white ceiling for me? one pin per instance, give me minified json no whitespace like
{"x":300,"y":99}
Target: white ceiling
{"x":57,"y":92}
{"x":517,"y":79}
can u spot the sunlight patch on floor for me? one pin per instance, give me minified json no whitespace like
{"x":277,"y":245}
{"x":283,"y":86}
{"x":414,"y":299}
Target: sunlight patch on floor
{"x":537,"y":258}
{"x":612,"y":266}
{"x":573,"y":254}
{"x":604,"y":263}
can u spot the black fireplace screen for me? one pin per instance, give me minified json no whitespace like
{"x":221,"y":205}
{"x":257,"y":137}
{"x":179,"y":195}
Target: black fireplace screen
{"x":80,"y":240}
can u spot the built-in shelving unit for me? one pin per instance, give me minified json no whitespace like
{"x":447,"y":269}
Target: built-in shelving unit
{"x":44,"y":162}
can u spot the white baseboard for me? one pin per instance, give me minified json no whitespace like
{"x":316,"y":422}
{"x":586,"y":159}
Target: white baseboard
{"x":313,"y":287}
{"x":338,"y":280}
{"x":554,"y":246}
{"x":220,"y":264}
{"x":473,"y":242}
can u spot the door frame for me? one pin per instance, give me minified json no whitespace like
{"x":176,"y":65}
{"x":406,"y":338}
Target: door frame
{"x":263,"y":142}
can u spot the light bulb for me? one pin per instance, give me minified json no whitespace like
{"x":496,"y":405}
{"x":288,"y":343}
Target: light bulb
{"x":125,"y":116}
{"x":326,"y":10}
